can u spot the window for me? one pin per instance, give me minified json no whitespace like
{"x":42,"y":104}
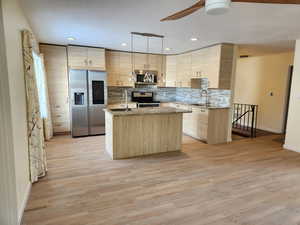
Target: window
{"x":41,"y":83}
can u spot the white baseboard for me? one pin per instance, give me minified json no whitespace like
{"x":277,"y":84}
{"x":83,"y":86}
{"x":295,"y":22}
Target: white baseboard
{"x":24,"y":203}
{"x":291,"y":148}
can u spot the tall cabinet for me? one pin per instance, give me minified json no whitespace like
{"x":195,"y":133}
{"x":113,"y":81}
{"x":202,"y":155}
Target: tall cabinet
{"x":56,"y":66}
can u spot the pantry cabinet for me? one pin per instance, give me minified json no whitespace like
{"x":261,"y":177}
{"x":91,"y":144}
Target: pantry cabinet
{"x":56,"y":66}
{"x":86,"y":58}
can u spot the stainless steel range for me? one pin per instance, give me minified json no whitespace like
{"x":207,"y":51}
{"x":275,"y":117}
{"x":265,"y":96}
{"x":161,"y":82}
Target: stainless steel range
{"x":144,"y":99}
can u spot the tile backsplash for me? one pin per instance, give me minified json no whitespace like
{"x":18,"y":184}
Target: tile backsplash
{"x":216,"y":97}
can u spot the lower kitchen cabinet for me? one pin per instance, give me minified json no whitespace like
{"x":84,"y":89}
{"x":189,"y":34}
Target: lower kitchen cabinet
{"x":206,"y":124}
{"x":210,"y":125}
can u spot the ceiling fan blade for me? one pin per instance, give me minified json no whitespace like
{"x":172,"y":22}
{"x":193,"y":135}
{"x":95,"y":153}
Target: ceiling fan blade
{"x":270,"y":1}
{"x":186,"y":12}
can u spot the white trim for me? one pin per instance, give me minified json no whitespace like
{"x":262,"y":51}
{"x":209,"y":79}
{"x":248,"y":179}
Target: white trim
{"x":24,"y":203}
{"x":291,"y":148}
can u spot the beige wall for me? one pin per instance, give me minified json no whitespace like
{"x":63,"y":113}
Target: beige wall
{"x":292,"y":140}
{"x":14,"y":21}
{"x":256,"y":78}
{"x":8,"y":199}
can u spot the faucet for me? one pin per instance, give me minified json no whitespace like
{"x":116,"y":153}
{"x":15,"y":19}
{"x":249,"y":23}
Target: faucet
{"x":205,"y":91}
{"x":126,"y":98}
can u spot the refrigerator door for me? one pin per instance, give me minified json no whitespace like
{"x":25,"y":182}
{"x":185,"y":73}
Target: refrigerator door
{"x":79,"y":102}
{"x":97,"y":101}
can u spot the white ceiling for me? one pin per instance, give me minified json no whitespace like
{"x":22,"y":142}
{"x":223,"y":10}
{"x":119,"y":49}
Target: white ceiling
{"x":108,"y":23}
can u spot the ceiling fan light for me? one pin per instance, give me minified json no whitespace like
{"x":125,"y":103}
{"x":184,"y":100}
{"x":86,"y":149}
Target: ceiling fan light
{"x":217,"y":7}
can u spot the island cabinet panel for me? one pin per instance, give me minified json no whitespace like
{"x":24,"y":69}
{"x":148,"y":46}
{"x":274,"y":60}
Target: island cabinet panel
{"x":56,"y":66}
{"x":137,"y":135}
{"x":86,"y":58}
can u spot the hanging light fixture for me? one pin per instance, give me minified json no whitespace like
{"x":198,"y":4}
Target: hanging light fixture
{"x":147,"y":36}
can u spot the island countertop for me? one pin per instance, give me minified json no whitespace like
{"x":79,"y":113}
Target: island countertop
{"x":144,"y":111}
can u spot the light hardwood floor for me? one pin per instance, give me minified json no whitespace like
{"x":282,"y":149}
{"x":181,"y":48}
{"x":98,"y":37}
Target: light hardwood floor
{"x":247,"y":182}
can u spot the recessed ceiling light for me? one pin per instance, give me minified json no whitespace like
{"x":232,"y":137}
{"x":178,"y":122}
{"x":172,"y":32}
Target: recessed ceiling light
{"x":124,"y":44}
{"x":194,"y":39}
{"x":71,"y":38}
{"x":167,"y":49}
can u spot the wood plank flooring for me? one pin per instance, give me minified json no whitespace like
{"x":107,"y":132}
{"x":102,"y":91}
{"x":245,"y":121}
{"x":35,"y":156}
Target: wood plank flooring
{"x":246,"y":182}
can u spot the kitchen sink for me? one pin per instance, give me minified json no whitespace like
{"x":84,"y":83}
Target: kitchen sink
{"x":120,"y":110}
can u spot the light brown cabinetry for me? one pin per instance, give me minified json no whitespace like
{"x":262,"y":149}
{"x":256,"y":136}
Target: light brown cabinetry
{"x":119,"y":68}
{"x":206,"y":124}
{"x":215,"y":63}
{"x":184,"y":70}
{"x":55,"y":58}
{"x":120,"y":65}
{"x":86,"y":58}
{"x":210,"y":125}
{"x":171,"y":70}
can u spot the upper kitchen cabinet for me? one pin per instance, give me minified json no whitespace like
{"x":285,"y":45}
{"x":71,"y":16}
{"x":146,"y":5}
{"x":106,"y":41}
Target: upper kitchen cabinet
{"x":206,"y":64}
{"x":86,"y":58}
{"x":184,"y":70}
{"x":215,"y":63}
{"x":96,"y":58}
{"x":120,"y":65}
{"x":171,"y":62}
{"x":119,"y":68}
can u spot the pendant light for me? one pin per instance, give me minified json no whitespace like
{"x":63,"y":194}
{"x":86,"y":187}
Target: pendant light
{"x":148,"y":36}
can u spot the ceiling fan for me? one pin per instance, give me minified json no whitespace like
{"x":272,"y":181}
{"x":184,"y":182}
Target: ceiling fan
{"x":215,"y":7}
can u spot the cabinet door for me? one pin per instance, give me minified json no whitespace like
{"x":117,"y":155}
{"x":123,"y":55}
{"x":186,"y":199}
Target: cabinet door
{"x":77,"y":57}
{"x":126,"y":62}
{"x":112,"y":61}
{"x":195,"y":124}
{"x":96,"y":58}
{"x":171,"y":69}
{"x":55,"y":58}
{"x":140,"y":61}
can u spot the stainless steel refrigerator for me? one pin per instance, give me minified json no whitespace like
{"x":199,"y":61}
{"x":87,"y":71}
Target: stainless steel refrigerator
{"x":88,"y":93}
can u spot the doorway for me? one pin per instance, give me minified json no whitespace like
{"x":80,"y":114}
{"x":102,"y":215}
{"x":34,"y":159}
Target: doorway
{"x":288,"y":94}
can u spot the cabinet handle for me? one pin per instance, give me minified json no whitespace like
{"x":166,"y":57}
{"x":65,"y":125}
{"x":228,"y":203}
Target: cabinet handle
{"x":90,"y":62}
{"x":86,"y":61}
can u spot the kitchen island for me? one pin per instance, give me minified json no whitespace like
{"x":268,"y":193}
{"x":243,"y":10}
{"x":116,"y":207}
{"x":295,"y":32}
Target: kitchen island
{"x":143,"y":131}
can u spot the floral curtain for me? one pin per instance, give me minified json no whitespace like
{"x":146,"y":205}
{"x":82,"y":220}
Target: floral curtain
{"x":36,"y":147}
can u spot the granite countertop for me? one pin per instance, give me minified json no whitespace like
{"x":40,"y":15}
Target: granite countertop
{"x":199,"y":106}
{"x":123,"y":105}
{"x":141,"y":111}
